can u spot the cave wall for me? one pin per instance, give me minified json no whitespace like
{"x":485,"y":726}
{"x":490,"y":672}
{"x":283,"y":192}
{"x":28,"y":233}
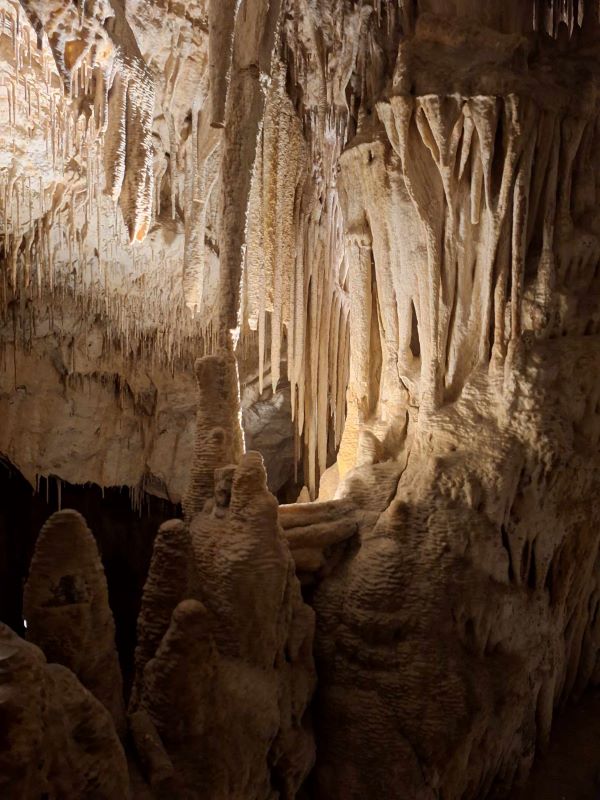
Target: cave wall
{"x":470,"y":612}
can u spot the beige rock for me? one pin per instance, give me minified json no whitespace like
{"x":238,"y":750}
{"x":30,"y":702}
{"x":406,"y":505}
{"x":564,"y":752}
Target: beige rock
{"x":393,"y":205}
{"x":166,"y":586}
{"x":218,"y":439}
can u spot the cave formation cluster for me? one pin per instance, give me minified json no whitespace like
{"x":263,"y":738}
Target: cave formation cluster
{"x":325,"y":275}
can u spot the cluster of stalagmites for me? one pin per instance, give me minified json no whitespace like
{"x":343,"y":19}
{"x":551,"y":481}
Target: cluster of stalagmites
{"x":61,"y":721}
{"x":225,"y":650}
{"x":224,"y":667}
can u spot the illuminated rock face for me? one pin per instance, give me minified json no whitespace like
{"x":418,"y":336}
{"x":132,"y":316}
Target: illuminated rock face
{"x":472,"y":233}
{"x":393,"y":208}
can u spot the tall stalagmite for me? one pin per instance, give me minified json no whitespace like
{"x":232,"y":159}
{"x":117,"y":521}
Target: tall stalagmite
{"x":66,"y":607}
{"x":227,"y":682}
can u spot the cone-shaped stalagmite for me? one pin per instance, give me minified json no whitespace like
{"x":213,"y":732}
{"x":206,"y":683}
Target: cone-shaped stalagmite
{"x":228,"y":685}
{"x":67,"y":612}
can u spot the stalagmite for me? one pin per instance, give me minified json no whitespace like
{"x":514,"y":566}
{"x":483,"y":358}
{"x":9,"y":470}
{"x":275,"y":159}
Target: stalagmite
{"x":241,"y":623}
{"x":66,"y":607}
{"x":166,"y":586}
{"x":57,"y":738}
{"x":218,"y":436}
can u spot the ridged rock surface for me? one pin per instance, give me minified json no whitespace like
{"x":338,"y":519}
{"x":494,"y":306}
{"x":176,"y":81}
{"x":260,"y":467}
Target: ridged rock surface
{"x":399,"y":201}
{"x":66,"y":608}
{"x":469,"y":613}
{"x":167,"y":584}
{"x":229,"y":685}
{"x":218,"y":438}
{"x":57,"y":739}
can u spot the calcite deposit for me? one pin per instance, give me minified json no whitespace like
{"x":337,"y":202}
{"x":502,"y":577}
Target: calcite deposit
{"x":65,"y":606}
{"x":57,"y":739}
{"x":224,"y":665}
{"x":334,"y":251}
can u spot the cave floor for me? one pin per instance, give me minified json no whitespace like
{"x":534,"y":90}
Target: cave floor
{"x":570,"y":769}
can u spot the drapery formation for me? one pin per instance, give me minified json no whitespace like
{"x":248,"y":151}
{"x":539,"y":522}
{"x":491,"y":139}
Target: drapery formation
{"x":240,"y":191}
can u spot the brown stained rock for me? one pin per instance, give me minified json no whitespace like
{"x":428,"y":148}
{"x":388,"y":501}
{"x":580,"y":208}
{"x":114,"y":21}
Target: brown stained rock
{"x":318,"y":534}
{"x":66,"y":609}
{"x":262,"y":630}
{"x":308,"y":559}
{"x":57,"y":739}
{"x":298,"y":515}
{"x":155,"y":762}
{"x":179,"y":682}
{"x":321,"y":534}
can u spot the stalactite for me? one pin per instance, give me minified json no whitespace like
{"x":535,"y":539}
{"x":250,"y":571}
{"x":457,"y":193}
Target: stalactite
{"x":64,"y":225}
{"x":100,"y":37}
{"x":222,"y":16}
{"x":255,"y":38}
{"x":286,"y":210}
{"x":202,"y":178}
{"x":279,"y":171}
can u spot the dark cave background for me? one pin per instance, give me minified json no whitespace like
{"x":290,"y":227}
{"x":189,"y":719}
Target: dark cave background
{"x":125,"y":538}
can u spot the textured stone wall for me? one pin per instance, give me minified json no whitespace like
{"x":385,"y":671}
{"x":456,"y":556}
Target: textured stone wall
{"x":468,"y":615}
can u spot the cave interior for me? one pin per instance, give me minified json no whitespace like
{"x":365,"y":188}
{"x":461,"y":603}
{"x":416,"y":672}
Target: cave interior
{"x":300,"y":399}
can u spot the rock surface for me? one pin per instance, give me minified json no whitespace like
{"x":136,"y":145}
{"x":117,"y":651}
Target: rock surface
{"x":394,"y":208}
{"x":57,"y":739}
{"x":224,"y":667}
{"x":66,"y":609}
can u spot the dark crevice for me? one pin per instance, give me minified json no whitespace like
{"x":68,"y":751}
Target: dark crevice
{"x":415,"y":345}
{"x":532,"y":576}
{"x":506,"y":545}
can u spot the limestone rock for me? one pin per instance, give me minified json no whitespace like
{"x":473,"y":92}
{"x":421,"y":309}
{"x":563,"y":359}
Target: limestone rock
{"x":166,"y":586}
{"x":57,"y":739}
{"x":393,"y":206}
{"x":229,"y":685}
{"x":218,"y":434}
{"x":67,"y":612}
{"x":268,"y":428}
{"x":318,"y":534}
